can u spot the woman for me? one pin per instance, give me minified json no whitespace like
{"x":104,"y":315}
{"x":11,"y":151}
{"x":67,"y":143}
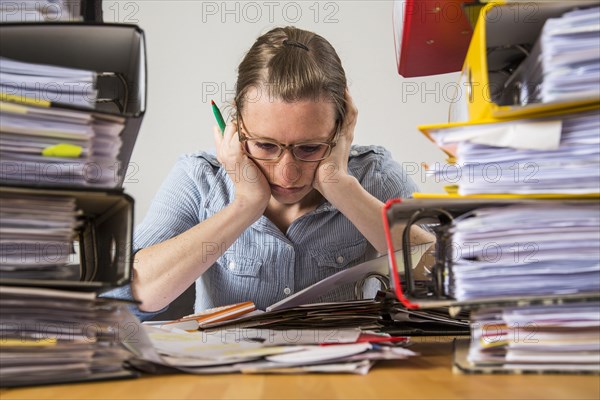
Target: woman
{"x":286,"y":202}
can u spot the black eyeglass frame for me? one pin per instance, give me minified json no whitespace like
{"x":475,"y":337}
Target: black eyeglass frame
{"x":283,"y":147}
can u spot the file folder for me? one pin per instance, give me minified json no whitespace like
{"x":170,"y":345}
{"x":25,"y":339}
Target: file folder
{"x":115,"y":51}
{"x":556,"y":113}
{"x":441,"y":211}
{"x":503,"y":37}
{"x":431,"y":37}
{"x":104,"y":239}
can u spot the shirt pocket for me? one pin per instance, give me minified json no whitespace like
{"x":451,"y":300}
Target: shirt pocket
{"x":341,"y":256}
{"x":240,"y":265}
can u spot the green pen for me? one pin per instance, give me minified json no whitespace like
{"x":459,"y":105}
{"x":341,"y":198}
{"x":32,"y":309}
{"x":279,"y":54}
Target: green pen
{"x":218,"y":116}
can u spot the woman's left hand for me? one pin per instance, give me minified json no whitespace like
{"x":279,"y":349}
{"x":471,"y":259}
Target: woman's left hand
{"x":334,"y":168}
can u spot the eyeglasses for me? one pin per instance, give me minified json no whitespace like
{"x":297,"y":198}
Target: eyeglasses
{"x":270,"y":150}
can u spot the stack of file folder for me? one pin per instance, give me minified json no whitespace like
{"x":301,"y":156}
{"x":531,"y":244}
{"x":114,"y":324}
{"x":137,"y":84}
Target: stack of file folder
{"x":72,"y":97}
{"x":558,"y":154}
{"x":37,"y":235}
{"x":560,"y":338}
{"x":518,"y":233}
{"x":520,"y":250}
{"x":51,"y":336}
{"x":48,"y":83}
{"x":70,"y":113}
{"x":58,"y":147}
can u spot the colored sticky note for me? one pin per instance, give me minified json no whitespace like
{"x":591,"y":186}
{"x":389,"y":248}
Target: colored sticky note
{"x":62,"y":150}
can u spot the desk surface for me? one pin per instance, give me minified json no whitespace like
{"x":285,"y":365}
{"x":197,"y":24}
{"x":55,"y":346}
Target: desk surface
{"x":426,"y":377}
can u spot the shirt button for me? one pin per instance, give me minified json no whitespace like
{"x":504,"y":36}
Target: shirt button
{"x":231,"y":265}
{"x":354,"y":152}
{"x":287,"y":291}
{"x":339,"y":259}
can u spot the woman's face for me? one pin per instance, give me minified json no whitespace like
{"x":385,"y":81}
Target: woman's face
{"x":288,"y":123}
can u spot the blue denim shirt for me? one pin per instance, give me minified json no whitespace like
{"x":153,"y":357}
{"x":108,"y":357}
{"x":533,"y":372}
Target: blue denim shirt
{"x":265,"y":265}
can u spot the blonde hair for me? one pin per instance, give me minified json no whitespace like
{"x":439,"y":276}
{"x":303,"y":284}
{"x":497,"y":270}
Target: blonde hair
{"x":292,"y":64}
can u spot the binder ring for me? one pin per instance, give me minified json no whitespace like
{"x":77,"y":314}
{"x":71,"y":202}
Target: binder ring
{"x":359,"y":286}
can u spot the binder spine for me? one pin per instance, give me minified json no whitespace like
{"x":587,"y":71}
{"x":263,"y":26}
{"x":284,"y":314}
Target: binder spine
{"x":394,"y":278}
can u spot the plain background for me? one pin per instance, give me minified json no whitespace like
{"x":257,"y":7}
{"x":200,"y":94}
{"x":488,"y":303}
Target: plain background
{"x":194,"y":48}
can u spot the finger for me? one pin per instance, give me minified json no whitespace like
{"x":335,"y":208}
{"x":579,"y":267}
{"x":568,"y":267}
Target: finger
{"x":350,"y":118}
{"x":351,"y":110}
{"x":218,"y":141}
{"x":230,"y":131}
{"x":218,"y":136}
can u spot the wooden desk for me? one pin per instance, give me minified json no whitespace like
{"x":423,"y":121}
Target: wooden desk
{"x":426,"y":377}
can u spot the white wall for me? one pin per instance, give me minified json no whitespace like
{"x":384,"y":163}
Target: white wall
{"x":194,"y":48}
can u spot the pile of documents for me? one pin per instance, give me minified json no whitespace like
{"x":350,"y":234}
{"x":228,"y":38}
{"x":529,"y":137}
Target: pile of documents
{"x":50,"y":336}
{"x":42,"y":143}
{"x":54,"y":146}
{"x":65,"y":140}
{"x":563,"y":64}
{"x":519,"y":227}
{"x":546,"y":155}
{"x":43,"y":84}
{"x":570,"y":56}
{"x":523,"y":250}
{"x":335,"y":350}
{"x":294,"y":335}
{"x":37,"y":235}
{"x":546,"y":337}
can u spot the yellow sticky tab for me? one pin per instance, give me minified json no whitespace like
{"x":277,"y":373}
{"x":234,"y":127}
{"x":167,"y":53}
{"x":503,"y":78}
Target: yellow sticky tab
{"x":12,"y":108}
{"x":24,"y":100}
{"x":451,"y":189}
{"x":27,"y":342}
{"x":62,"y":150}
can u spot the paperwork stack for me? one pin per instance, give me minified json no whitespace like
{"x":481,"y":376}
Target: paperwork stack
{"x":72,"y":98}
{"x":52,"y":336}
{"x":297,"y":334}
{"x":518,"y":232}
{"x":550,"y":154}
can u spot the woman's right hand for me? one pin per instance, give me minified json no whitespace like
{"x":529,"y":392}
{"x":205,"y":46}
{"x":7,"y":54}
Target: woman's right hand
{"x":251,"y":185}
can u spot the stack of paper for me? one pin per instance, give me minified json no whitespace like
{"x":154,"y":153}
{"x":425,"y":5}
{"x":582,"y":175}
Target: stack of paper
{"x":564,"y":337}
{"x":295,"y":337}
{"x":40,"y":83}
{"x":571,"y":56}
{"x":36,"y":237}
{"x":51,"y":336}
{"x":547,"y":155}
{"x":268,"y":351}
{"x":563,"y":64}
{"x":53,"y":146}
{"x":365,"y":314}
{"x":524,"y":250}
